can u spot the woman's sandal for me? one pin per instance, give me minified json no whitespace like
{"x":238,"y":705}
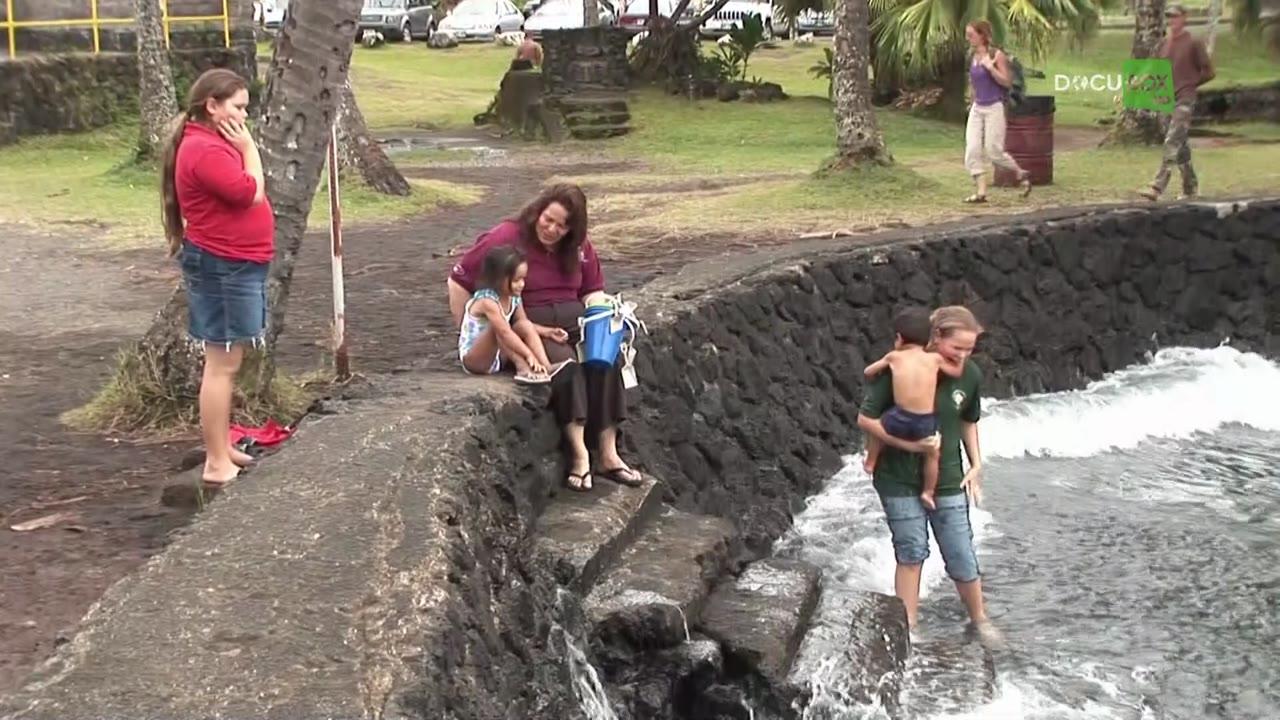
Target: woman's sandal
{"x":975,"y":199}
{"x":578,"y":483}
{"x":623,"y":476}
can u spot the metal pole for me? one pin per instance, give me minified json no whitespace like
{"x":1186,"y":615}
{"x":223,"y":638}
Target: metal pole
{"x":341,"y":361}
{"x":164,"y":15}
{"x":97,"y":40}
{"x":13,"y":45}
{"x":226,"y":23}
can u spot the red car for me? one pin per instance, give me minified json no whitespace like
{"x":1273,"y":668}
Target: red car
{"x":635,"y":17}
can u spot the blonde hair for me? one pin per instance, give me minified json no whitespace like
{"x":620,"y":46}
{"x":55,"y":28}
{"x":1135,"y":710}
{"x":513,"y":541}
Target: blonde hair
{"x":950,"y":318}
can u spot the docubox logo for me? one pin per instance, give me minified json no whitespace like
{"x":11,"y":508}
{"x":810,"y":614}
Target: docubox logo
{"x":1145,"y":84}
{"x":1148,"y":84}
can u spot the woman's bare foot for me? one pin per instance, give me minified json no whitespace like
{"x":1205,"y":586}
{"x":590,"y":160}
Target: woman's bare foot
{"x":869,"y":466}
{"x":217,"y":477}
{"x":580,"y":473}
{"x":241,"y":458}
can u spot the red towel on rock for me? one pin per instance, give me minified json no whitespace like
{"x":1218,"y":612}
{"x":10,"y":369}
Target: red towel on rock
{"x":270,"y":434}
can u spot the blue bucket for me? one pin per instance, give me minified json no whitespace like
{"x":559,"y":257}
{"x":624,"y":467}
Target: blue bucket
{"x":600,"y":344}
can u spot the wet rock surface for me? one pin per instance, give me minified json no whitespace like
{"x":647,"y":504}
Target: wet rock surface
{"x":761,"y":615}
{"x":661,"y":581}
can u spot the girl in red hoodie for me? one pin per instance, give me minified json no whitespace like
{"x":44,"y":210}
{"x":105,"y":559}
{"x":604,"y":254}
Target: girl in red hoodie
{"x":221,"y":228}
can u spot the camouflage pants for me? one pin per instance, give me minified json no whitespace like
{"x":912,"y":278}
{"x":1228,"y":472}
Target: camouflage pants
{"x":1177,"y":152}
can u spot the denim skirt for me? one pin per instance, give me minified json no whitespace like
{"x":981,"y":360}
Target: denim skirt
{"x":226,"y":299}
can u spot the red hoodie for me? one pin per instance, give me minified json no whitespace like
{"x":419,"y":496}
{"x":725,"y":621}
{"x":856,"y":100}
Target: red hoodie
{"x":216,"y":197}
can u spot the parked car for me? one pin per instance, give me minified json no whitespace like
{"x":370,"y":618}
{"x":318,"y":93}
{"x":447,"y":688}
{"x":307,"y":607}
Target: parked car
{"x":635,"y":17}
{"x":482,"y":19}
{"x":818,"y":23}
{"x":733,"y":12}
{"x":565,"y":14}
{"x":405,"y":20}
{"x":272,"y":13}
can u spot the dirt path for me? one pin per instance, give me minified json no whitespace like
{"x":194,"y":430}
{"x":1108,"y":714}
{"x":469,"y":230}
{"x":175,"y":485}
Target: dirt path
{"x":63,"y":314}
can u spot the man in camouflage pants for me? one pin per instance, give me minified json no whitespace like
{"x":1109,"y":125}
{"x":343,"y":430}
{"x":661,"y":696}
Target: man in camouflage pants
{"x":1191,"y":69}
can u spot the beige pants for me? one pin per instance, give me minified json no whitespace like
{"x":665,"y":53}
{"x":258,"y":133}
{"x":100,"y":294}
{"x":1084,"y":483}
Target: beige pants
{"x":984,"y":140}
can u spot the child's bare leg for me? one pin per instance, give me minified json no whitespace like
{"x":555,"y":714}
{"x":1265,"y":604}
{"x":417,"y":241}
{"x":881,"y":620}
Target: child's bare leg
{"x":528,"y":332}
{"x":873,"y":454}
{"x":931,"y":461}
{"x":515,"y":350}
{"x":479,"y":359}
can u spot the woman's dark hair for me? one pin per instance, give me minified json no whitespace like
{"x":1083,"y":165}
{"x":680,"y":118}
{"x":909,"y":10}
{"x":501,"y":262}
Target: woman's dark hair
{"x":574,"y":201}
{"x":499,"y":266}
{"x":217,"y":84}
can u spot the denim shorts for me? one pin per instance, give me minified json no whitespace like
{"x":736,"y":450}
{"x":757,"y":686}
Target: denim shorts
{"x":908,"y":425}
{"x":909,"y":523}
{"x":226,"y":299}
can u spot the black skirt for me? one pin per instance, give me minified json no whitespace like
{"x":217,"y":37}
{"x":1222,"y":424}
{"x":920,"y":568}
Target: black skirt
{"x":593,"y":395}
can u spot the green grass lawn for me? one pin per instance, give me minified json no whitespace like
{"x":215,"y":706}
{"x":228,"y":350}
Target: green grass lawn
{"x":82,"y":180}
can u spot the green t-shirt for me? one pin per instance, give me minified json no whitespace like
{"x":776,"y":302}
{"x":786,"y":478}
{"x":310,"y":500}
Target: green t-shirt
{"x":898,"y":473}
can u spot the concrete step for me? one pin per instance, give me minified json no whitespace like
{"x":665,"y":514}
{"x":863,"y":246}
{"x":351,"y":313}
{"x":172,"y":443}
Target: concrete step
{"x":592,"y":102}
{"x":659,"y":585}
{"x":582,"y":534}
{"x":597,"y":132}
{"x":593,"y":117}
{"x":761,"y":616}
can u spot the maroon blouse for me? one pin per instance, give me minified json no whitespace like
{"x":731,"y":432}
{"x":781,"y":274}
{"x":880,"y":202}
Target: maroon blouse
{"x":546,"y":283}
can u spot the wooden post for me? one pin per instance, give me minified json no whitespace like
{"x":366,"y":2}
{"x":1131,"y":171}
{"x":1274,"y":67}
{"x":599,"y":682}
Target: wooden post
{"x":341,"y":360}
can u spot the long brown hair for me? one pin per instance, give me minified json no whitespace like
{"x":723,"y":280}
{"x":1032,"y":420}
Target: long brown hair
{"x":983,"y":28}
{"x":574,"y":201}
{"x":217,"y":84}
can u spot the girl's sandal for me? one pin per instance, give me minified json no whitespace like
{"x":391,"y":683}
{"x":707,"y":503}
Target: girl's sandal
{"x":975,"y":199}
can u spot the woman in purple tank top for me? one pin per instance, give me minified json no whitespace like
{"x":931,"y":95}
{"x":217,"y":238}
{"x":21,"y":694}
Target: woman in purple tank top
{"x":990,"y":76}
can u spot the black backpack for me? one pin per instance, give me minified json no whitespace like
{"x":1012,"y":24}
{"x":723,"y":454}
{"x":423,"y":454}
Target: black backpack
{"x":1017,"y":90}
{"x":1018,"y":87}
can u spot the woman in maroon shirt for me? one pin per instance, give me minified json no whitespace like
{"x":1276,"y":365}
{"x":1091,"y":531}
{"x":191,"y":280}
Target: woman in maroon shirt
{"x":564,"y":274}
{"x":220,"y":227}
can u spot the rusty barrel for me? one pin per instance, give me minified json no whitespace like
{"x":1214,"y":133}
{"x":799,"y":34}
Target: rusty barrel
{"x":1028,"y":138}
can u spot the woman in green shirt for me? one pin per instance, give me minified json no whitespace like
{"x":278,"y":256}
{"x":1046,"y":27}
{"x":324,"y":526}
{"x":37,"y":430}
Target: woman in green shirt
{"x":898,"y":478}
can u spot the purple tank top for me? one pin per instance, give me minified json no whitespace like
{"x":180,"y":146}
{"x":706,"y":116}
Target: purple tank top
{"x":986,"y":91}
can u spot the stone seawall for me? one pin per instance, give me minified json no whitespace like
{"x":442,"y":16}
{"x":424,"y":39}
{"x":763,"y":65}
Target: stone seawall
{"x":382,"y":565}
{"x":44,"y":94}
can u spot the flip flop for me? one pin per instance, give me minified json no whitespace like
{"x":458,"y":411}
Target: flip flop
{"x":1026,"y":184}
{"x":532,"y":379}
{"x":578,"y":483}
{"x":975,"y":199}
{"x":619,"y":475}
{"x":554,"y":369}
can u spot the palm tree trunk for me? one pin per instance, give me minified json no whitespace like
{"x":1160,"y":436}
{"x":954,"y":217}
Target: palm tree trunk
{"x":953,"y":106}
{"x":590,"y":13}
{"x":300,"y":105}
{"x":359,"y":151}
{"x":158,"y":103}
{"x":1143,"y":126}
{"x":858,"y":138}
